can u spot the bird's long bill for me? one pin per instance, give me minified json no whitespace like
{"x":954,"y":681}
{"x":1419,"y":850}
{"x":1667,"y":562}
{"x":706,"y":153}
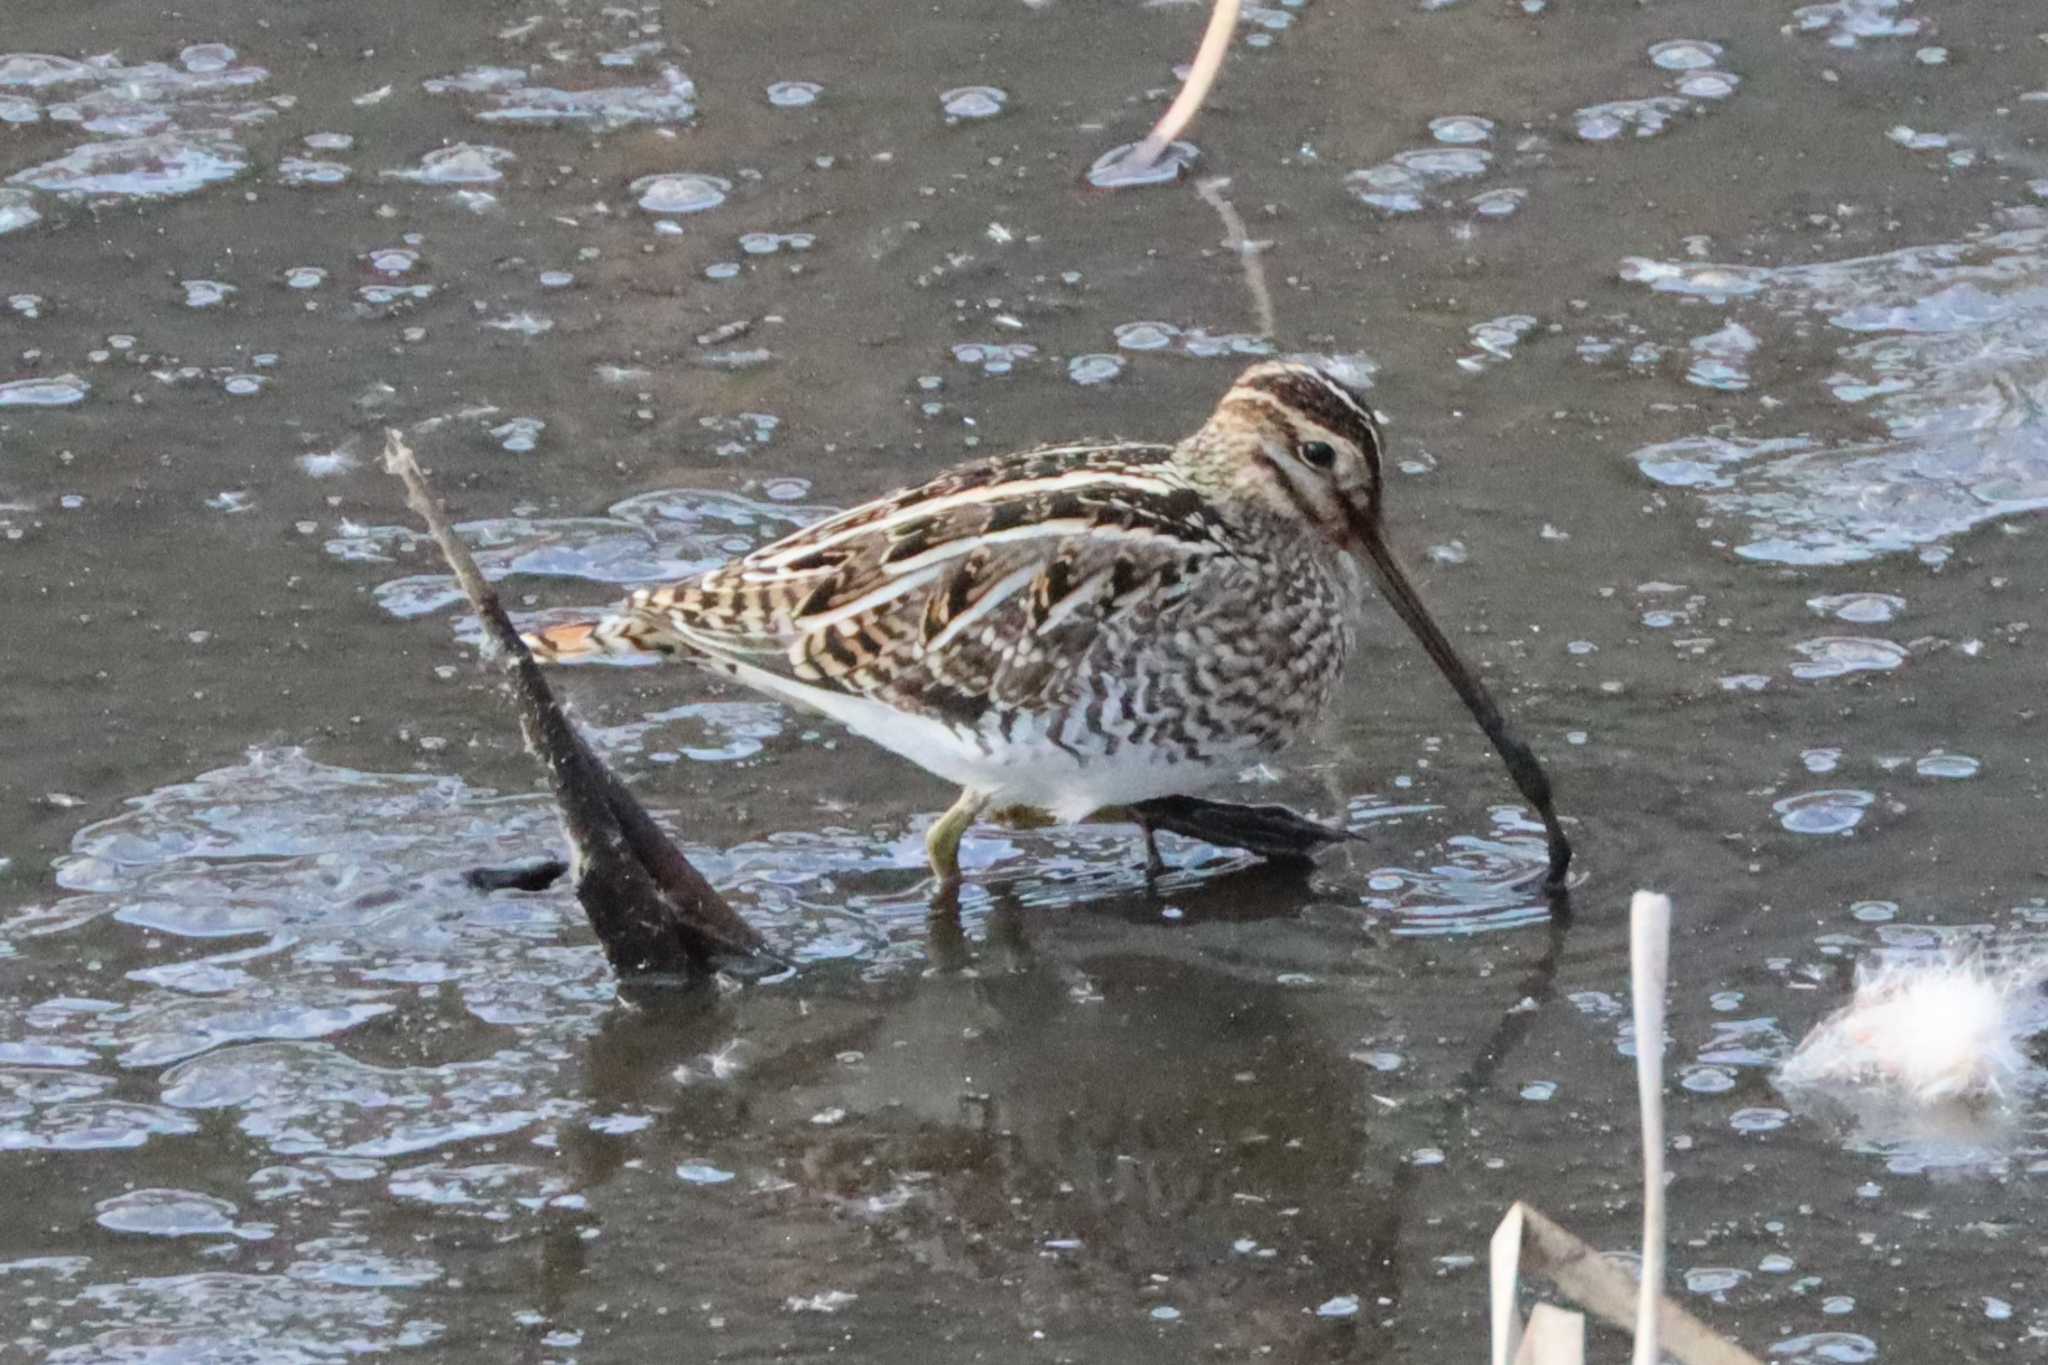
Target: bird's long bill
{"x":1527,"y":773}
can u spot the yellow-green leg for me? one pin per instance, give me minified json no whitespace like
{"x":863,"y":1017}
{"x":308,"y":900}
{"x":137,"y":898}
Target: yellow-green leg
{"x":942,"y":842}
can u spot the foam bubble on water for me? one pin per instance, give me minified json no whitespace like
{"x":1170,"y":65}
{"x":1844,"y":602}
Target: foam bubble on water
{"x":1824,"y":812}
{"x":525,"y":323}
{"x":1685,"y":54}
{"x":41,"y":71}
{"x":461,"y":163}
{"x":994,"y":357}
{"x":91,"y":1125}
{"x":769,"y":243}
{"x":680,"y":192}
{"x":160,"y":166}
{"x":969,"y":102}
{"x":1946,"y":766}
{"x":1721,"y":359}
{"x":794,"y":94}
{"x":1461,"y":129}
{"x":1925,"y":336}
{"x":1832,"y":656}
{"x":205,"y":293}
{"x":1645,"y":117}
{"x":1403,"y":183}
{"x":1500,"y":203}
{"x":501,"y":95}
{"x":1089,"y":370}
{"x":1863,"y":608}
{"x":1192,"y":341}
{"x":1914,"y":140}
{"x":57,"y":391}
{"x":1709,"y":85}
{"x":1495,"y":340}
{"x":173,"y":1213}
{"x":1146,"y":336}
{"x":17,"y":210}
{"x":1848,"y":22}
{"x":520,"y":435}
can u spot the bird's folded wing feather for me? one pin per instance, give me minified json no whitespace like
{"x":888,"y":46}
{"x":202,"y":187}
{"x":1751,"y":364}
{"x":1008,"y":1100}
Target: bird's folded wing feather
{"x":985,"y":587}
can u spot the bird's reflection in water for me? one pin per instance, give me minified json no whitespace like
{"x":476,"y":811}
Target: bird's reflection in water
{"x":1103,"y":1114}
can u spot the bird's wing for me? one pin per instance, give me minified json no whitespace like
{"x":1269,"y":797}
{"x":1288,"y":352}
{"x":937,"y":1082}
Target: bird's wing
{"x":984,"y":587}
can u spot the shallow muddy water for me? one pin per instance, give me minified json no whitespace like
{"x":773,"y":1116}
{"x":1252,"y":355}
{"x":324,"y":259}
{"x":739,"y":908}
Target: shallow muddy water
{"x":1714,"y":341}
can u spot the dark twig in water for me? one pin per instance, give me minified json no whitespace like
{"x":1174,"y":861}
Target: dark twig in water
{"x":535,"y":876}
{"x":1247,"y":250}
{"x":652,"y":911}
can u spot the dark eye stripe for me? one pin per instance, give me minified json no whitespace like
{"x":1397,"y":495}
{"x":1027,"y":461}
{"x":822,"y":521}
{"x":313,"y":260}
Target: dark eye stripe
{"x":1322,"y":400}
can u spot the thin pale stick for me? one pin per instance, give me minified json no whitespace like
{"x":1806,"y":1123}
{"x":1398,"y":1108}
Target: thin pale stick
{"x":1201,"y":76}
{"x":1247,"y":251}
{"x":1556,"y":1336}
{"x":1600,"y":1287}
{"x":1504,"y":1276}
{"x":1649,"y":917}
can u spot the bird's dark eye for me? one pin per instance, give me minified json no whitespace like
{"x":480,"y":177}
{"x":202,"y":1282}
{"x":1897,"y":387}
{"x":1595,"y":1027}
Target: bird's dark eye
{"x":1320,"y":454}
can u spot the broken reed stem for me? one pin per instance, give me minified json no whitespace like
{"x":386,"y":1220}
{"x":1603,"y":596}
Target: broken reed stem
{"x":1201,"y":76}
{"x":1649,"y":918}
{"x":1605,"y":1290}
{"x":654,"y":913}
{"x":1248,"y":251}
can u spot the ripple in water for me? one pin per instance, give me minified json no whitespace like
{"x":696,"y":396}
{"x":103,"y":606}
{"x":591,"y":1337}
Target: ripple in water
{"x":1486,"y":884}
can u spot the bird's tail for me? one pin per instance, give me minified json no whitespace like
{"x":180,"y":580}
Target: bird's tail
{"x":624,"y":635}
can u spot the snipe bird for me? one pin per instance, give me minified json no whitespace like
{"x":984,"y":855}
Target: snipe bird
{"x":1079,"y":627}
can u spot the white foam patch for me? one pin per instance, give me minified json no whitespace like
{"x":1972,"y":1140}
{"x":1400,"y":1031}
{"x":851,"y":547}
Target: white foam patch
{"x":1927,"y":1034}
